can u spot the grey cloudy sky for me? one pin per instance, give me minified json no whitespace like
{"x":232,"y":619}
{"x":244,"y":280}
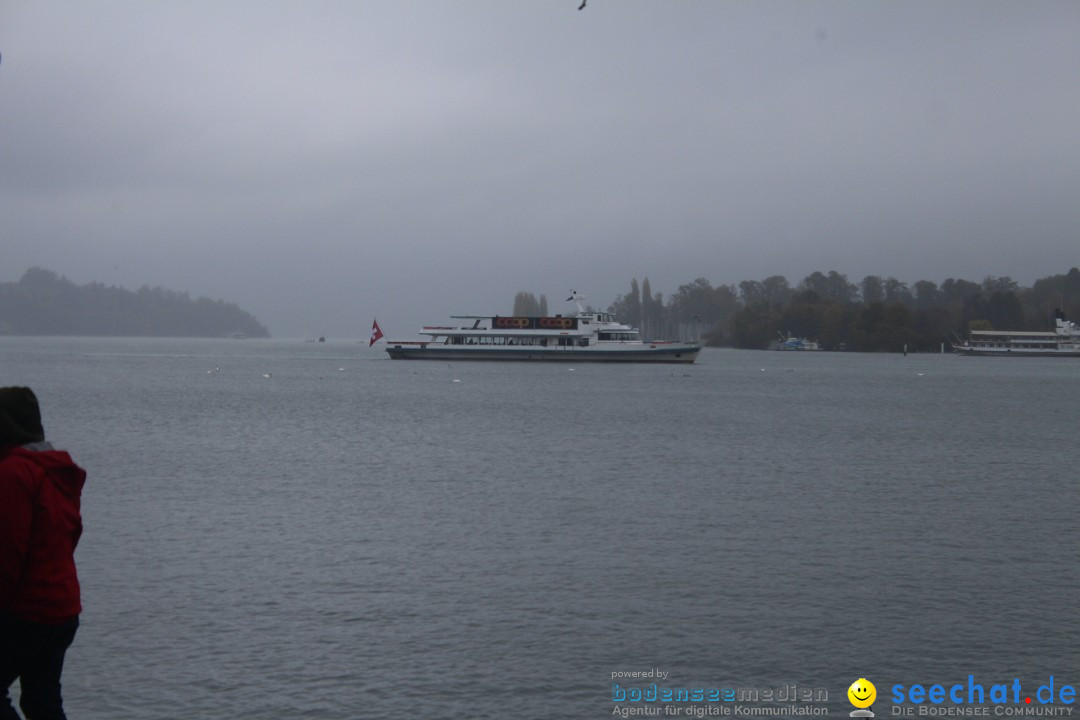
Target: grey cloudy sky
{"x":320,"y":163}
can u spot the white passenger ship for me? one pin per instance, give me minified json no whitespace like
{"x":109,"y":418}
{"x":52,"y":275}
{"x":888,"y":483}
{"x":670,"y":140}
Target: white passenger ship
{"x":1064,"y":341}
{"x":579,"y":337}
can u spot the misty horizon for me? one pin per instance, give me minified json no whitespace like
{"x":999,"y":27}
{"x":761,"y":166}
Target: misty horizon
{"x":322,"y":164}
{"x":553,"y":303}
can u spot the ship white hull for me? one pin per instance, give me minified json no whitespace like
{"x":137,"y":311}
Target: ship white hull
{"x":646,"y":353}
{"x":1004,"y":352}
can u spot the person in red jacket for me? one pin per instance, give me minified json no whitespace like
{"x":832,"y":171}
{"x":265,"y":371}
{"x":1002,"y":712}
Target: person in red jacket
{"x":40,"y":526}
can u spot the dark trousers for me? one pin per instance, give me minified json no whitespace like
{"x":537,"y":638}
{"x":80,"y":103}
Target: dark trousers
{"x":34,"y":654}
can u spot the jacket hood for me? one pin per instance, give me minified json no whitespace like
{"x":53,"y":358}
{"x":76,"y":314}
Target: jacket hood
{"x":66,"y":476}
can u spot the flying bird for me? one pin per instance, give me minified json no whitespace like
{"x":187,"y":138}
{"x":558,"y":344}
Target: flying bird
{"x":582,"y":6}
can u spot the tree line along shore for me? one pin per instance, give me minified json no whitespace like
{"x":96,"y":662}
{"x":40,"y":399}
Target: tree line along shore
{"x":874,"y":315}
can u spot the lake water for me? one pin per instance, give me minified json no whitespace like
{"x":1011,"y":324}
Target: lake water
{"x":355,"y":537}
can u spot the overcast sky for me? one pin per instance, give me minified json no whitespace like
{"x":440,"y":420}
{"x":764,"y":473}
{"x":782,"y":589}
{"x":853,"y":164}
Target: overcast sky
{"x":321,"y":163}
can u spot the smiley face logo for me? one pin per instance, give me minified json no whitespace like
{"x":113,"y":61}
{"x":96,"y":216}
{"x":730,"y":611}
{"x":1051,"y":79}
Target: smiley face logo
{"x":862,"y":693}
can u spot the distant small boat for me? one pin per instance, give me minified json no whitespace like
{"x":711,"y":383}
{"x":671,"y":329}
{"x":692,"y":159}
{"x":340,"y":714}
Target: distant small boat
{"x":1063,"y":341}
{"x":795,"y":343}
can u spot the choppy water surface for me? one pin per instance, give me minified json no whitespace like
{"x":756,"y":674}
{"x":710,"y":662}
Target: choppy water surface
{"x":354,"y":537}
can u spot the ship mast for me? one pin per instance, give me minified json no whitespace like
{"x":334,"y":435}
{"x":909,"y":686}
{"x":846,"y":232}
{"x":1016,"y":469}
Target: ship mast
{"x":576,"y":298}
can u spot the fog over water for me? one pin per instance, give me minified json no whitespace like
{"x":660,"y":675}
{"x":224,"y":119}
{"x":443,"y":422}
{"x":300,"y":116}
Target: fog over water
{"x":322,"y":163}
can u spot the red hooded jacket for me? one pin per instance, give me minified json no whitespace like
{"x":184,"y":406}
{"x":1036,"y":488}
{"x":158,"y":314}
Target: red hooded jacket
{"x":40,"y":526}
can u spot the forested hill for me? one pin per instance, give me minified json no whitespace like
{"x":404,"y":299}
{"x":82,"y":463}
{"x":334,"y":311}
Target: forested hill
{"x":876,"y":314}
{"x":44,"y":303}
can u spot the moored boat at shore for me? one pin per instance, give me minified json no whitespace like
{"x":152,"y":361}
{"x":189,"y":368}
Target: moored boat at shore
{"x":790,"y":342}
{"x":1063,"y":341}
{"x":583,"y":336}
